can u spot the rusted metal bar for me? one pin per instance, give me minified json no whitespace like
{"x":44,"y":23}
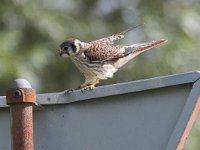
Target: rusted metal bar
{"x":189,"y":125}
{"x":21,"y":98}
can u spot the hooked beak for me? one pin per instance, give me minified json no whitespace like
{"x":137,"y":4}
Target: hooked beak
{"x":61,"y":52}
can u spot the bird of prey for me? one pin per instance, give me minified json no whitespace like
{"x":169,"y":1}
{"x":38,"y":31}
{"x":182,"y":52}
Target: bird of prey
{"x":100,"y":59}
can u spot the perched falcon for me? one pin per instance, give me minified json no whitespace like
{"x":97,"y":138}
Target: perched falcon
{"x":100,"y":59}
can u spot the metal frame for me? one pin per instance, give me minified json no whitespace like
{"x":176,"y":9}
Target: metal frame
{"x":114,"y":89}
{"x":186,"y":119}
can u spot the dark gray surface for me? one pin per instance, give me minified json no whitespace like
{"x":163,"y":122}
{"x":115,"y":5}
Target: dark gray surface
{"x":5,"y":141}
{"x":142,"y":121}
{"x":147,"y":114}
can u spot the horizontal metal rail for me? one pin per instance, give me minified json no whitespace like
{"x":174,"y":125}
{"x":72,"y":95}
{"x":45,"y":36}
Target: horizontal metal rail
{"x":114,"y":89}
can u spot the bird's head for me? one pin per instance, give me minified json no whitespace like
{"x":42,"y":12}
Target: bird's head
{"x":70,"y":47}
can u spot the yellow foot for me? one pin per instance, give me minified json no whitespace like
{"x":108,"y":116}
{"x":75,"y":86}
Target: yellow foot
{"x":86,"y":88}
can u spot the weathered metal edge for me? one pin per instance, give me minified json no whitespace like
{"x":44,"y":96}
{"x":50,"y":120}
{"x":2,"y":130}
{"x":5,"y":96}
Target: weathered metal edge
{"x":3,"y":101}
{"x":114,"y":89}
{"x":186,"y":119}
{"x":120,"y":88}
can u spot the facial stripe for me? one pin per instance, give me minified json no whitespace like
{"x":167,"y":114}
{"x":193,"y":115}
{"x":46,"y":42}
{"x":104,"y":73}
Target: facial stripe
{"x":79,"y":44}
{"x":73,"y":47}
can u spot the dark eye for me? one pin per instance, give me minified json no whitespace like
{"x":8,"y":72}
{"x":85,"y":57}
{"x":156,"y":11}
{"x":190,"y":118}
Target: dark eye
{"x":65,"y":48}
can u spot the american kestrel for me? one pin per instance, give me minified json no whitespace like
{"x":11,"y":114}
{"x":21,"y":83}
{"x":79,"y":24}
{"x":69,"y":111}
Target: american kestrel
{"x":100,"y":59}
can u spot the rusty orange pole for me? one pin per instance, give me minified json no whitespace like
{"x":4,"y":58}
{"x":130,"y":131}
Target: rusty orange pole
{"x":21,"y":98}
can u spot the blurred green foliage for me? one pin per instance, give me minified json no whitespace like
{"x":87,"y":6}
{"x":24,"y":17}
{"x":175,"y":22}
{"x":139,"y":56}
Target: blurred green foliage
{"x":30,"y":32}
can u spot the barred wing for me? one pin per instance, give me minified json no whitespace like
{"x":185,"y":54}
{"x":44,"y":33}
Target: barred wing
{"x":109,"y":52}
{"x":98,"y":53}
{"x":110,"y":39}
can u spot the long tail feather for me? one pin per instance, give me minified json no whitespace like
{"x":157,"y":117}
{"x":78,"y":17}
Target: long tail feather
{"x":140,"y":47}
{"x":134,"y":50}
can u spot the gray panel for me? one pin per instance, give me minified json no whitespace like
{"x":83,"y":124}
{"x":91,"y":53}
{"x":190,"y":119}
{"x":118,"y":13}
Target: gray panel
{"x":119,"y":122}
{"x":143,"y":114}
{"x":5,"y":141}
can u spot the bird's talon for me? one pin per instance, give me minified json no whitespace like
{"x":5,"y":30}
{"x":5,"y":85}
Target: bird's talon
{"x":91,"y":87}
{"x":84,"y":89}
{"x":69,"y":90}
